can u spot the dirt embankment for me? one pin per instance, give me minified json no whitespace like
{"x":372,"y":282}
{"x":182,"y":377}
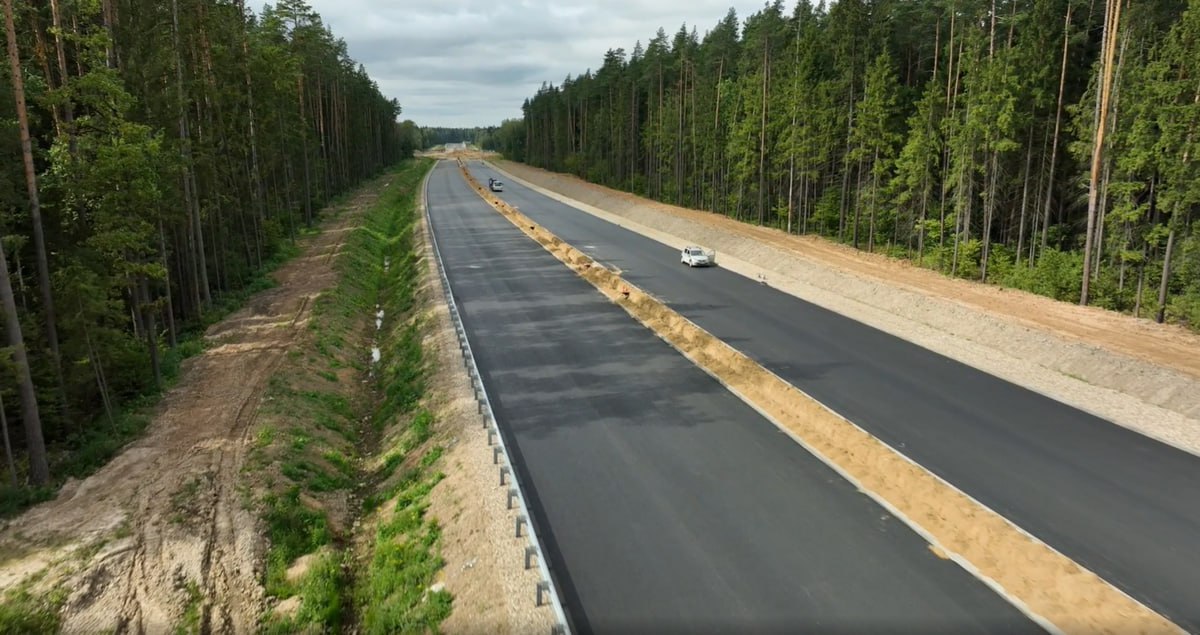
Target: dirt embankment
{"x":1051,"y":587}
{"x":1139,"y":374}
{"x":163,"y":528}
{"x":168,"y":535}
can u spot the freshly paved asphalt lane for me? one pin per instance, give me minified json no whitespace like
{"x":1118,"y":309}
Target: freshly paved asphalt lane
{"x":666,"y":504}
{"x":1123,"y":505}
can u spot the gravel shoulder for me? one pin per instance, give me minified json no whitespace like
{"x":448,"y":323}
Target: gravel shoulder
{"x":493,"y":592}
{"x":1136,"y":373}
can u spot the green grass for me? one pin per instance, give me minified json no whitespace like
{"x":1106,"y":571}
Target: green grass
{"x":293,"y":530}
{"x":28,"y":613}
{"x":322,"y":602}
{"x":14,"y":500}
{"x":319,"y":466}
{"x":191,"y":615}
{"x":393,"y":591}
{"x":264,"y":437}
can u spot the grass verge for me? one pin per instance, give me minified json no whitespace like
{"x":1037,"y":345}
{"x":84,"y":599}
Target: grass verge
{"x":338,"y":436}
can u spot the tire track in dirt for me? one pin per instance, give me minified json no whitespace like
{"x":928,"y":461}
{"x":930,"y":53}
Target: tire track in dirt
{"x":163,"y":527}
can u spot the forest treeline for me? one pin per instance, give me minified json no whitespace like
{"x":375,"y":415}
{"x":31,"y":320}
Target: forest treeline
{"x":439,"y":135}
{"x":1021,"y":142}
{"x":156,"y":157}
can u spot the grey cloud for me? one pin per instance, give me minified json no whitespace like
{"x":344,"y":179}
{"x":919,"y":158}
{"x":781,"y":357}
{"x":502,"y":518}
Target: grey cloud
{"x":473,"y":62}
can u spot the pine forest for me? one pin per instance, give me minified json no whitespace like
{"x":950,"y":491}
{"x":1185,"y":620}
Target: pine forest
{"x":158,"y":158}
{"x":1046,"y":145}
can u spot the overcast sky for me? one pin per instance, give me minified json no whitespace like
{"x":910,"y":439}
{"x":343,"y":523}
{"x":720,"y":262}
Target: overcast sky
{"x":463,"y":63}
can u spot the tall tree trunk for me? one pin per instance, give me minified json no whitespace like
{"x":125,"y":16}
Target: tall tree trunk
{"x":845,"y":198}
{"x":1024,"y":197}
{"x":39,"y":51}
{"x":98,"y":372}
{"x":35,"y":207}
{"x":1111,"y":24}
{"x":716,"y":128}
{"x":308,"y":215}
{"x":255,"y":175}
{"x":1062,"y":82}
{"x":193,"y":268}
{"x":1141,"y":285}
{"x":1161,"y":315}
{"x":61,"y":57}
{"x":39,"y":469}
{"x":989,"y":214}
{"x":874,"y":199}
{"x":8,"y":453}
{"x":857,"y":201}
{"x":762,"y":134}
{"x":151,"y":328}
{"x":189,"y":182}
{"x":170,"y":309}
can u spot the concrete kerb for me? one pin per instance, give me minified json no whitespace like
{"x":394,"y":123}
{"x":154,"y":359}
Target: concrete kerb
{"x":515,"y":492}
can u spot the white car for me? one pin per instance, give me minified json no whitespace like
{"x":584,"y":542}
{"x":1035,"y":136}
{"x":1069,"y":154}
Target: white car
{"x":694,"y":256}
{"x":496,"y":186}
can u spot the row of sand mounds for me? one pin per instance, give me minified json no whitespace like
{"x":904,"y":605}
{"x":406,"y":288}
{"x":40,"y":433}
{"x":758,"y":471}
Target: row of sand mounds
{"x":1050,"y":587}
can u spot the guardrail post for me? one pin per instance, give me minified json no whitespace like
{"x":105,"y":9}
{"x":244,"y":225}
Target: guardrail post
{"x":522,"y":524}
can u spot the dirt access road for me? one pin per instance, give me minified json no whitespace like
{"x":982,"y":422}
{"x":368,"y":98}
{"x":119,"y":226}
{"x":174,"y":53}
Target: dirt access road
{"x":166,"y":526}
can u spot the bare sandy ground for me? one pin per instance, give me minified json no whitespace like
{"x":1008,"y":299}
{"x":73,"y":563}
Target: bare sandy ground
{"x":1136,"y":373}
{"x":165,"y":524}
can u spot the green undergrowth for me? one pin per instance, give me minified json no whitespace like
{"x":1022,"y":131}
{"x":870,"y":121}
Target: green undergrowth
{"x":338,"y":437}
{"x":29,"y":609}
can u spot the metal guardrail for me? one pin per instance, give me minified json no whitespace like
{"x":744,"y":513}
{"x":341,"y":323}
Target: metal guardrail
{"x":546,"y":586}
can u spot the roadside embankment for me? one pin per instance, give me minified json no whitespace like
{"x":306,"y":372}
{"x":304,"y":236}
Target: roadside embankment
{"x":342,"y":459}
{"x":381,"y":514}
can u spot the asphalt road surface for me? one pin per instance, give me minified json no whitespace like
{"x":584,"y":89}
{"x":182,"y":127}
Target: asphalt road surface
{"x":665,"y":504}
{"x":1119,"y":503}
